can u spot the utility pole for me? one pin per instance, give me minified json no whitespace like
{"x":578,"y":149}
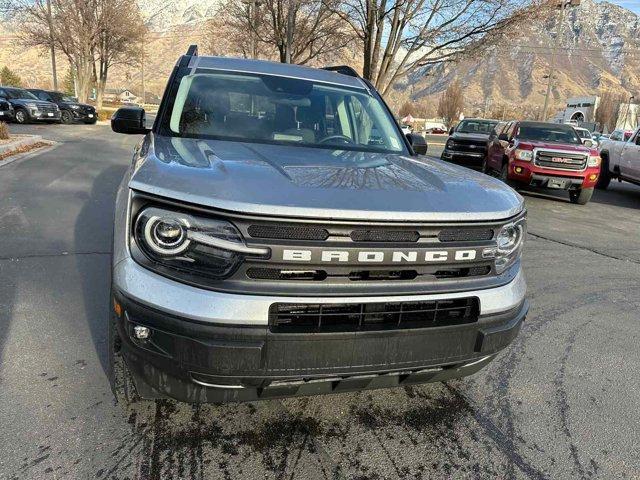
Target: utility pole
{"x":554,"y":54}
{"x":142,"y":72}
{"x":52,"y":47}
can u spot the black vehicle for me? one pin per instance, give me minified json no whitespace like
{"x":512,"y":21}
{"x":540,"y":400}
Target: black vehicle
{"x":70,"y":109}
{"x":467,"y":143}
{"x":7,"y":113}
{"x":28,"y":108}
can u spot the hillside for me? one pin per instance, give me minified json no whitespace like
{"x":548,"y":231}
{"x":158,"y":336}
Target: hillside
{"x":601,"y":50}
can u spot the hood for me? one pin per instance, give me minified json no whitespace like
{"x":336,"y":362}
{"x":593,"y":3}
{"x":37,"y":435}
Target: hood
{"x":83,"y":105}
{"x":318,"y":183}
{"x":25,"y":101}
{"x":557,"y":146}
{"x":470,"y":136}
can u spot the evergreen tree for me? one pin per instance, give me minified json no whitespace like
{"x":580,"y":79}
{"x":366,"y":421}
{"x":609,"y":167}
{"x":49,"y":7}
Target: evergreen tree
{"x":9,"y":78}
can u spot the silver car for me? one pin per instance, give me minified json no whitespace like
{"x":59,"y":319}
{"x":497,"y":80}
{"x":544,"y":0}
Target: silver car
{"x":277,"y":235}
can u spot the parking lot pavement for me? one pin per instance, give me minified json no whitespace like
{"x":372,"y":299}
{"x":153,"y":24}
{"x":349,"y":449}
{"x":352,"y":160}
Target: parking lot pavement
{"x":561,"y":402}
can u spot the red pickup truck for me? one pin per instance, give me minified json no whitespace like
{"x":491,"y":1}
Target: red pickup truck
{"x":544,"y":155}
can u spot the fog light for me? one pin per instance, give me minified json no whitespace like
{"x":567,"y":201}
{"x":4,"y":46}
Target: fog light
{"x":141,"y":333}
{"x":593,"y":176}
{"x":518,"y":169}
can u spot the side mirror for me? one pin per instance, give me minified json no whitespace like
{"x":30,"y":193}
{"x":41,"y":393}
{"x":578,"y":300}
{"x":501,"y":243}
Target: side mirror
{"x":451,"y":130}
{"x":418,"y":143}
{"x":588,"y":143}
{"x":129,"y":120}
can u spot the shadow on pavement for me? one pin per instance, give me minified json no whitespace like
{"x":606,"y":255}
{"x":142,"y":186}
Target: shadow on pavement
{"x":94,"y":228}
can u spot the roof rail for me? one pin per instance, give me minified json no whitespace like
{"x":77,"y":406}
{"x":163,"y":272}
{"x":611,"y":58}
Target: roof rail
{"x":343,"y":69}
{"x":192,"y":51}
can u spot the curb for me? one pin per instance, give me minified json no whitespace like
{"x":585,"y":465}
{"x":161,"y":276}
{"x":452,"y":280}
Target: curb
{"x":23,"y":142}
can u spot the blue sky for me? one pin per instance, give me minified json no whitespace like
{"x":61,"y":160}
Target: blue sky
{"x":633,"y":5}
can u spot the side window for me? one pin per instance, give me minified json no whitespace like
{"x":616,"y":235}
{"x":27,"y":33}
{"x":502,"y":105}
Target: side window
{"x":511,"y":130}
{"x":3,"y":93}
{"x":615,"y":135}
{"x":44,"y":96}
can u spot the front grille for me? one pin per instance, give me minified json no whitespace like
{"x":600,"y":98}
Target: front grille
{"x":385,"y":236}
{"x":284,"y":232}
{"x":561,"y":160}
{"x":47,"y":108}
{"x":286,"y":274}
{"x":465,"y":235}
{"x":468,"y":146}
{"x":321,"y":318}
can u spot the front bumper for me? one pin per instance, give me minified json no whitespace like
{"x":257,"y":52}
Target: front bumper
{"x":467,"y":159}
{"x":83,"y":116}
{"x":38,"y":115}
{"x":7,"y":115}
{"x":535,"y":176}
{"x":213,"y":347}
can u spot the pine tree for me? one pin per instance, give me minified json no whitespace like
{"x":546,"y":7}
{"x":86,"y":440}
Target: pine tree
{"x":9,"y":78}
{"x":68,"y":84}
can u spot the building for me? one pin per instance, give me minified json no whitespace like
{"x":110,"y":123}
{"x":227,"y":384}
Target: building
{"x":581,"y":111}
{"x":120,"y":95}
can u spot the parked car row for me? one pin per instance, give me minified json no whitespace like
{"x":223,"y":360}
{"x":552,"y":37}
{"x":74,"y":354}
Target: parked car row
{"x":36,"y":105}
{"x":537,"y":154}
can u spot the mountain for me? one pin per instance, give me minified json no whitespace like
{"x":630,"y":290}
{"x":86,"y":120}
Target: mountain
{"x":600,"y":50}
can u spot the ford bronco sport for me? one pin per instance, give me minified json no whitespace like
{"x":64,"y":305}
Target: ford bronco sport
{"x":546,"y":155}
{"x":265,"y":246}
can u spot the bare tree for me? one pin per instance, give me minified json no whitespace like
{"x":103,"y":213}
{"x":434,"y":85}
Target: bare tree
{"x":298,"y":31}
{"x":92,"y":34}
{"x":119,"y":39}
{"x":407,"y":108}
{"x":451,"y":104}
{"x":399,"y":36}
{"x":608,"y":110}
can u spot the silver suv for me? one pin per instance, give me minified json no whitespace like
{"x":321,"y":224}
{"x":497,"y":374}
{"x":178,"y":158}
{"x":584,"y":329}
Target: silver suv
{"x":278,"y":235}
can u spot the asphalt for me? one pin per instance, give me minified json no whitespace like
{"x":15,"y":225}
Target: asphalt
{"x":561,"y":402}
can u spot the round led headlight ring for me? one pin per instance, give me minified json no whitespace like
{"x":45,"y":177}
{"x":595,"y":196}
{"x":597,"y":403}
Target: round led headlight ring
{"x":166,"y":235}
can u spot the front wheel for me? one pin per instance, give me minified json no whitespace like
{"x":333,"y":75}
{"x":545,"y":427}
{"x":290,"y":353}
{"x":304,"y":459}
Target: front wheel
{"x":605,"y":175}
{"x":22,"y":116}
{"x":504,"y":175}
{"x":120,"y":378}
{"x":66,"y":117}
{"x":581,"y":196}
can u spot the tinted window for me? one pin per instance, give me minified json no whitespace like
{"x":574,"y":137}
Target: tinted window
{"x":548,"y":133}
{"x":476,"y":126}
{"x":16,"y":93}
{"x":270,"y":109}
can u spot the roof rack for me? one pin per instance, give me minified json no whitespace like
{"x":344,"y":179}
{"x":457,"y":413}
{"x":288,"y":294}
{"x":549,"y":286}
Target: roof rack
{"x":192,"y":51}
{"x":343,"y":69}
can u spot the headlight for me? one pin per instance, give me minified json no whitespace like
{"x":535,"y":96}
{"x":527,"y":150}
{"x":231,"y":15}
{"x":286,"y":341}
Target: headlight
{"x":524,"y":155}
{"x":594,"y":161}
{"x":74,"y":107}
{"x":32,"y":106}
{"x":510,"y":240}
{"x":451,"y":143}
{"x":185,"y":242}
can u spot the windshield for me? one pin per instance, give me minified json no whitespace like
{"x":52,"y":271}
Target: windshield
{"x":17,"y":93}
{"x":476,"y":126}
{"x":271,"y":109}
{"x":549,"y":133}
{"x":583,"y":133}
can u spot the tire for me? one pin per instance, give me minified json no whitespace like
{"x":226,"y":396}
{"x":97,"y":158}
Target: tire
{"x":91,"y":122}
{"x":120,"y":378}
{"x":22,"y":116}
{"x":504,"y":175}
{"x":582,"y":196}
{"x":66,"y":117}
{"x":485,"y":168}
{"x":605,"y":175}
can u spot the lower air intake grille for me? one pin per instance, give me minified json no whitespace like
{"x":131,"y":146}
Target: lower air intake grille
{"x":283,"y":232}
{"x":384,"y":236}
{"x":465,"y":235}
{"x":301,"y":318}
